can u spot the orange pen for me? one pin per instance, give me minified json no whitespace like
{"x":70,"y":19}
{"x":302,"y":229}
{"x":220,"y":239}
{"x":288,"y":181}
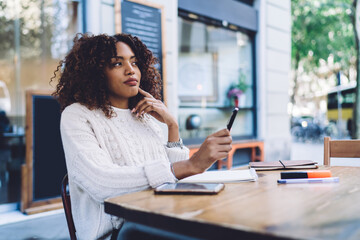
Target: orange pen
{"x":306,"y":174}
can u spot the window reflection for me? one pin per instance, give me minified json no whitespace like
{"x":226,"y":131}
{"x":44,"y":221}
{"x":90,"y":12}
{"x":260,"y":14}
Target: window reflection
{"x":35,"y":35}
{"x":213,"y":61}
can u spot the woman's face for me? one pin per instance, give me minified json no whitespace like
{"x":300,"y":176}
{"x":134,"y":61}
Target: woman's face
{"x":123,"y":76}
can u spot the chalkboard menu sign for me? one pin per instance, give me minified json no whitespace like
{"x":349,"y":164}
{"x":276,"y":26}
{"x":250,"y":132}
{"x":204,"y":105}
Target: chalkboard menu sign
{"x":49,"y":165}
{"x":144,"y":20}
{"x":45,"y":164}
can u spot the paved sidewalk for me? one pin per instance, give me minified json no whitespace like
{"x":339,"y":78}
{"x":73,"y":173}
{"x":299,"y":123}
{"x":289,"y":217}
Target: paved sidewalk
{"x":43,"y":228}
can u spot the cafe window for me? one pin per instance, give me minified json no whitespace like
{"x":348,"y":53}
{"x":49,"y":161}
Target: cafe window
{"x":215,"y":74}
{"x":35,"y":35}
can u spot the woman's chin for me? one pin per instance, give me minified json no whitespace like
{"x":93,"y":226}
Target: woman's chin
{"x":134,"y":93}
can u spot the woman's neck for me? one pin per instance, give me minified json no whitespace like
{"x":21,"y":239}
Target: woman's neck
{"x":123,"y":104}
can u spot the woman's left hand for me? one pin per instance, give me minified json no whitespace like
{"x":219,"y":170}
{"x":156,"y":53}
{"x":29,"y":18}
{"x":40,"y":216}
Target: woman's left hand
{"x":154,"y":107}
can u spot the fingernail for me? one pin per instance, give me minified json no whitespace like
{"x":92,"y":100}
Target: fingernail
{"x":142,"y":113}
{"x":133,"y":110}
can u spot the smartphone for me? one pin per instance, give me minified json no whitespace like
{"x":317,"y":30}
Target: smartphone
{"x":232,"y":118}
{"x":189,"y":188}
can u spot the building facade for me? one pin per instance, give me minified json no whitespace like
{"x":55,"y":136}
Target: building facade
{"x":267,"y":63}
{"x":218,"y":54}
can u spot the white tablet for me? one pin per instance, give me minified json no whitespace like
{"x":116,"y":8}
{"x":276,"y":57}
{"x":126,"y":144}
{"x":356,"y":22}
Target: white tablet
{"x":189,"y":188}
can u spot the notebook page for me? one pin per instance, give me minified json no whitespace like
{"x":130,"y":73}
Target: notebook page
{"x":223,"y":176}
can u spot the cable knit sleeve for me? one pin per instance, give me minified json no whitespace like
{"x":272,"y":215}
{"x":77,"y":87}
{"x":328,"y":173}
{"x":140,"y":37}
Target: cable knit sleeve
{"x":176,"y":154}
{"x":92,"y":169}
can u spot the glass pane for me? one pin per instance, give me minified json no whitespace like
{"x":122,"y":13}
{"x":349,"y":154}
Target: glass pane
{"x":35,"y":35}
{"x":196,"y":123}
{"x":215,"y":74}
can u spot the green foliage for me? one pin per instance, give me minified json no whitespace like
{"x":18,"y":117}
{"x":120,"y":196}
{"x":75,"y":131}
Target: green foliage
{"x":238,"y":88}
{"x":242,"y":85}
{"x":36,"y":24}
{"x":321,"y":28}
{"x":324,"y":28}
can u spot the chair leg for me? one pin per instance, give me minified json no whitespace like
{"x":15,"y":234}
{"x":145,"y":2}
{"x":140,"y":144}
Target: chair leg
{"x":262,"y":153}
{"x":253,"y":154}
{"x":326,"y":151}
{"x":229,"y":160}
{"x":220,"y":162}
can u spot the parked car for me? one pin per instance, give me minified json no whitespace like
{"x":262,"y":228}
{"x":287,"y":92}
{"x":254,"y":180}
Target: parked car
{"x":308,"y":129}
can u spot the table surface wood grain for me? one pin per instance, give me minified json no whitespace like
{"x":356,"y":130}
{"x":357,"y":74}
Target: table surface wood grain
{"x":254,"y":210}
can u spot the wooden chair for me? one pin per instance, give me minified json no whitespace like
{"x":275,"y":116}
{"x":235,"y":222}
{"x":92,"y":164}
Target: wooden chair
{"x":340,"y":149}
{"x":65,"y":195}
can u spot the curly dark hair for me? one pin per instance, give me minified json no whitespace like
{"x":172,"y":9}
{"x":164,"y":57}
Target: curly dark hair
{"x":82,"y":76}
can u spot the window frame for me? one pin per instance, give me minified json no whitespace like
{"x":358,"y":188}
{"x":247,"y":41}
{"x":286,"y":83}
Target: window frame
{"x":192,"y":16}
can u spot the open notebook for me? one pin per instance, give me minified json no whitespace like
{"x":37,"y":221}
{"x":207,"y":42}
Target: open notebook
{"x":223,"y":176}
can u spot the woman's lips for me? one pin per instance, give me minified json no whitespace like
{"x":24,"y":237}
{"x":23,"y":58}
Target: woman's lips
{"x":131,"y":82}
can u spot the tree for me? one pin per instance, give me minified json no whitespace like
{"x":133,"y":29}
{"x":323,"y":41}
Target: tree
{"x":322,"y":30}
{"x":35,"y":35}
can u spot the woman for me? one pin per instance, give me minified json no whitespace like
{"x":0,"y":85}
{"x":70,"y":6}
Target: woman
{"x":109,"y":91}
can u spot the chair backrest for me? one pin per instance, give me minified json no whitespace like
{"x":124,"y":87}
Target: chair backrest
{"x":340,"y":149}
{"x":65,"y":195}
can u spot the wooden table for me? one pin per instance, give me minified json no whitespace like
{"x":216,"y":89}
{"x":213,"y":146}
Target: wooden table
{"x":254,"y":210}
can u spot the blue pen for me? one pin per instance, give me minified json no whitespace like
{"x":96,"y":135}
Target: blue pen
{"x":309,"y":180}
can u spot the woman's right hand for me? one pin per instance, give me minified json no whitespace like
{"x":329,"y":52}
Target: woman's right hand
{"x":215,"y":147}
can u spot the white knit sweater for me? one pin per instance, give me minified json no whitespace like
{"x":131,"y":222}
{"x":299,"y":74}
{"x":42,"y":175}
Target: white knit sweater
{"x":109,"y":157}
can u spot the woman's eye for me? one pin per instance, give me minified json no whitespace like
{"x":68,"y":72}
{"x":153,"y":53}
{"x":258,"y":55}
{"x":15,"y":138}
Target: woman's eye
{"x":117,"y":64}
{"x":134,"y":63}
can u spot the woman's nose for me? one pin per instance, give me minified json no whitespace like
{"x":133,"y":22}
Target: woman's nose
{"x":129,"y":70}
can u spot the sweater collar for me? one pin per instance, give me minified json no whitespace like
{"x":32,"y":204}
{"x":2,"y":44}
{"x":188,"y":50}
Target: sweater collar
{"x":120,"y":110}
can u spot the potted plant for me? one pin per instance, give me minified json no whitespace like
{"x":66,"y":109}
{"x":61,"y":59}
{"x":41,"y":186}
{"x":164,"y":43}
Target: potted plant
{"x":236,"y":92}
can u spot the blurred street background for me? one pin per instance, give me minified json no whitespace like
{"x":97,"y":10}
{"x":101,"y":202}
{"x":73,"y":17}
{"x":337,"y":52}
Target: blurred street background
{"x":291,"y":66}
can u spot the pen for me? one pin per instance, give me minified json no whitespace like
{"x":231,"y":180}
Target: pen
{"x":232,"y":118}
{"x":309,"y":180}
